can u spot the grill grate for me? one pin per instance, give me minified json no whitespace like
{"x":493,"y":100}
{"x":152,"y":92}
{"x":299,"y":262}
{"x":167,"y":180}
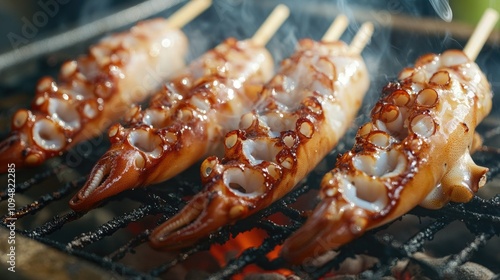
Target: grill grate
{"x":110,"y":242}
{"x":480,"y":216}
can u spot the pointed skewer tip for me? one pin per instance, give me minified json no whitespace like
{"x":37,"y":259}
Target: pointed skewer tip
{"x":361,"y":38}
{"x":271,"y":25}
{"x":481,"y":33}
{"x":336,"y":29}
{"x":188,"y":12}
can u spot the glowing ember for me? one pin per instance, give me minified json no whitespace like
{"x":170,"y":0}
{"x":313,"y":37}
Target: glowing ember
{"x":235,"y":246}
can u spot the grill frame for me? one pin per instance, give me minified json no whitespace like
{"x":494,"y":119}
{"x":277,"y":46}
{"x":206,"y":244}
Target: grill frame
{"x":162,"y":201}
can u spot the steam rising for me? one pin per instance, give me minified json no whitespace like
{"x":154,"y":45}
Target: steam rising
{"x":443,"y":9}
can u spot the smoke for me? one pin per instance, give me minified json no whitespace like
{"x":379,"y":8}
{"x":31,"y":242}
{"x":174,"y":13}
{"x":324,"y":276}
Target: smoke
{"x":443,"y":9}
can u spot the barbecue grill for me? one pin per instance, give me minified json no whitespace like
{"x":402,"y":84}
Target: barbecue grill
{"x":459,"y":240}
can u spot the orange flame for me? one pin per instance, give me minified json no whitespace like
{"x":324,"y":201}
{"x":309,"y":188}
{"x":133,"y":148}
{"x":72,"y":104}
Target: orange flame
{"x":235,"y":246}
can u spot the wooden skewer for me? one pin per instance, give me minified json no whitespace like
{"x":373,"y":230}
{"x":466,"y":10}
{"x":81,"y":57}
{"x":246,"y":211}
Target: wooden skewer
{"x":361,"y":38}
{"x":188,"y":12}
{"x":481,"y":33}
{"x":336,"y":29}
{"x":271,"y":25}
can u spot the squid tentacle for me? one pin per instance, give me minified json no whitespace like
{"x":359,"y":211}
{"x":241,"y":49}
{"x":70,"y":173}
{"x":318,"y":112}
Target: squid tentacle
{"x":415,"y":150}
{"x":186,"y":120}
{"x":309,"y":104}
{"x":93,"y":91}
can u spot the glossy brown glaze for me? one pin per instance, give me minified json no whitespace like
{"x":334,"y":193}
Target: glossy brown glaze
{"x":186,"y":120}
{"x":93,"y":92}
{"x":415,"y":150}
{"x":305,"y":109}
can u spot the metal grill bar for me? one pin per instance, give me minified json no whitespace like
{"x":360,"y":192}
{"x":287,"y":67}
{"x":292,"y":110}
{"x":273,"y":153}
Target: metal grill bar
{"x":474,"y":215}
{"x":36,"y":179}
{"x":128,"y":247}
{"x":112,"y":226}
{"x":477,"y":210}
{"x":345,"y":252}
{"x":249,"y":256}
{"x":456,"y":260}
{"x":411,"y":246}
{"x":104,"y":262}
{"x":46,"y":199}
{"x":54,"y":225}
{"x":416,"y":243}
{"x":158,"y":206}
{"x":182,"y":257}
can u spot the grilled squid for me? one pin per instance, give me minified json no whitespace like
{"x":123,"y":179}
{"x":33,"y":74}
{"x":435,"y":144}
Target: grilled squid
{"x":305,"y":110}
{"x":414,"y":151}
{"x":186,"y":120}
{"x":93,"y":92}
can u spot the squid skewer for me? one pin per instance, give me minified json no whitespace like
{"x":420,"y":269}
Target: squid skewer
{"x":414,"y":151}
{"x":95,"y":90}
{"x":306,"y":108}
{"x":186,"y":120}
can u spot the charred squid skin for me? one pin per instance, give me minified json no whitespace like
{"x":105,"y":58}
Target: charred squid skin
{"x":186,"y":120}
{"x":304,"y":111}
{"x":93,"y":92}
{"x":102,"y":179}
{"x":414,"y":151}
{"x":194,"y":218}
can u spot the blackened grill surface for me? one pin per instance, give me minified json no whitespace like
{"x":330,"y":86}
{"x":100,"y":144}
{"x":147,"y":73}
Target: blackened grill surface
{"x":114,"y":236}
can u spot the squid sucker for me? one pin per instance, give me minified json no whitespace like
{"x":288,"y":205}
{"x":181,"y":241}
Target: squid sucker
{"x":93,"y":92}
{"x":186,"y":120}
{"x":304,"y":111}
{"x":414,"y":151}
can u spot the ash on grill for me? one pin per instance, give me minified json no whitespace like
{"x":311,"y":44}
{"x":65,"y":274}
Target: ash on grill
{"x":458,"y":241}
